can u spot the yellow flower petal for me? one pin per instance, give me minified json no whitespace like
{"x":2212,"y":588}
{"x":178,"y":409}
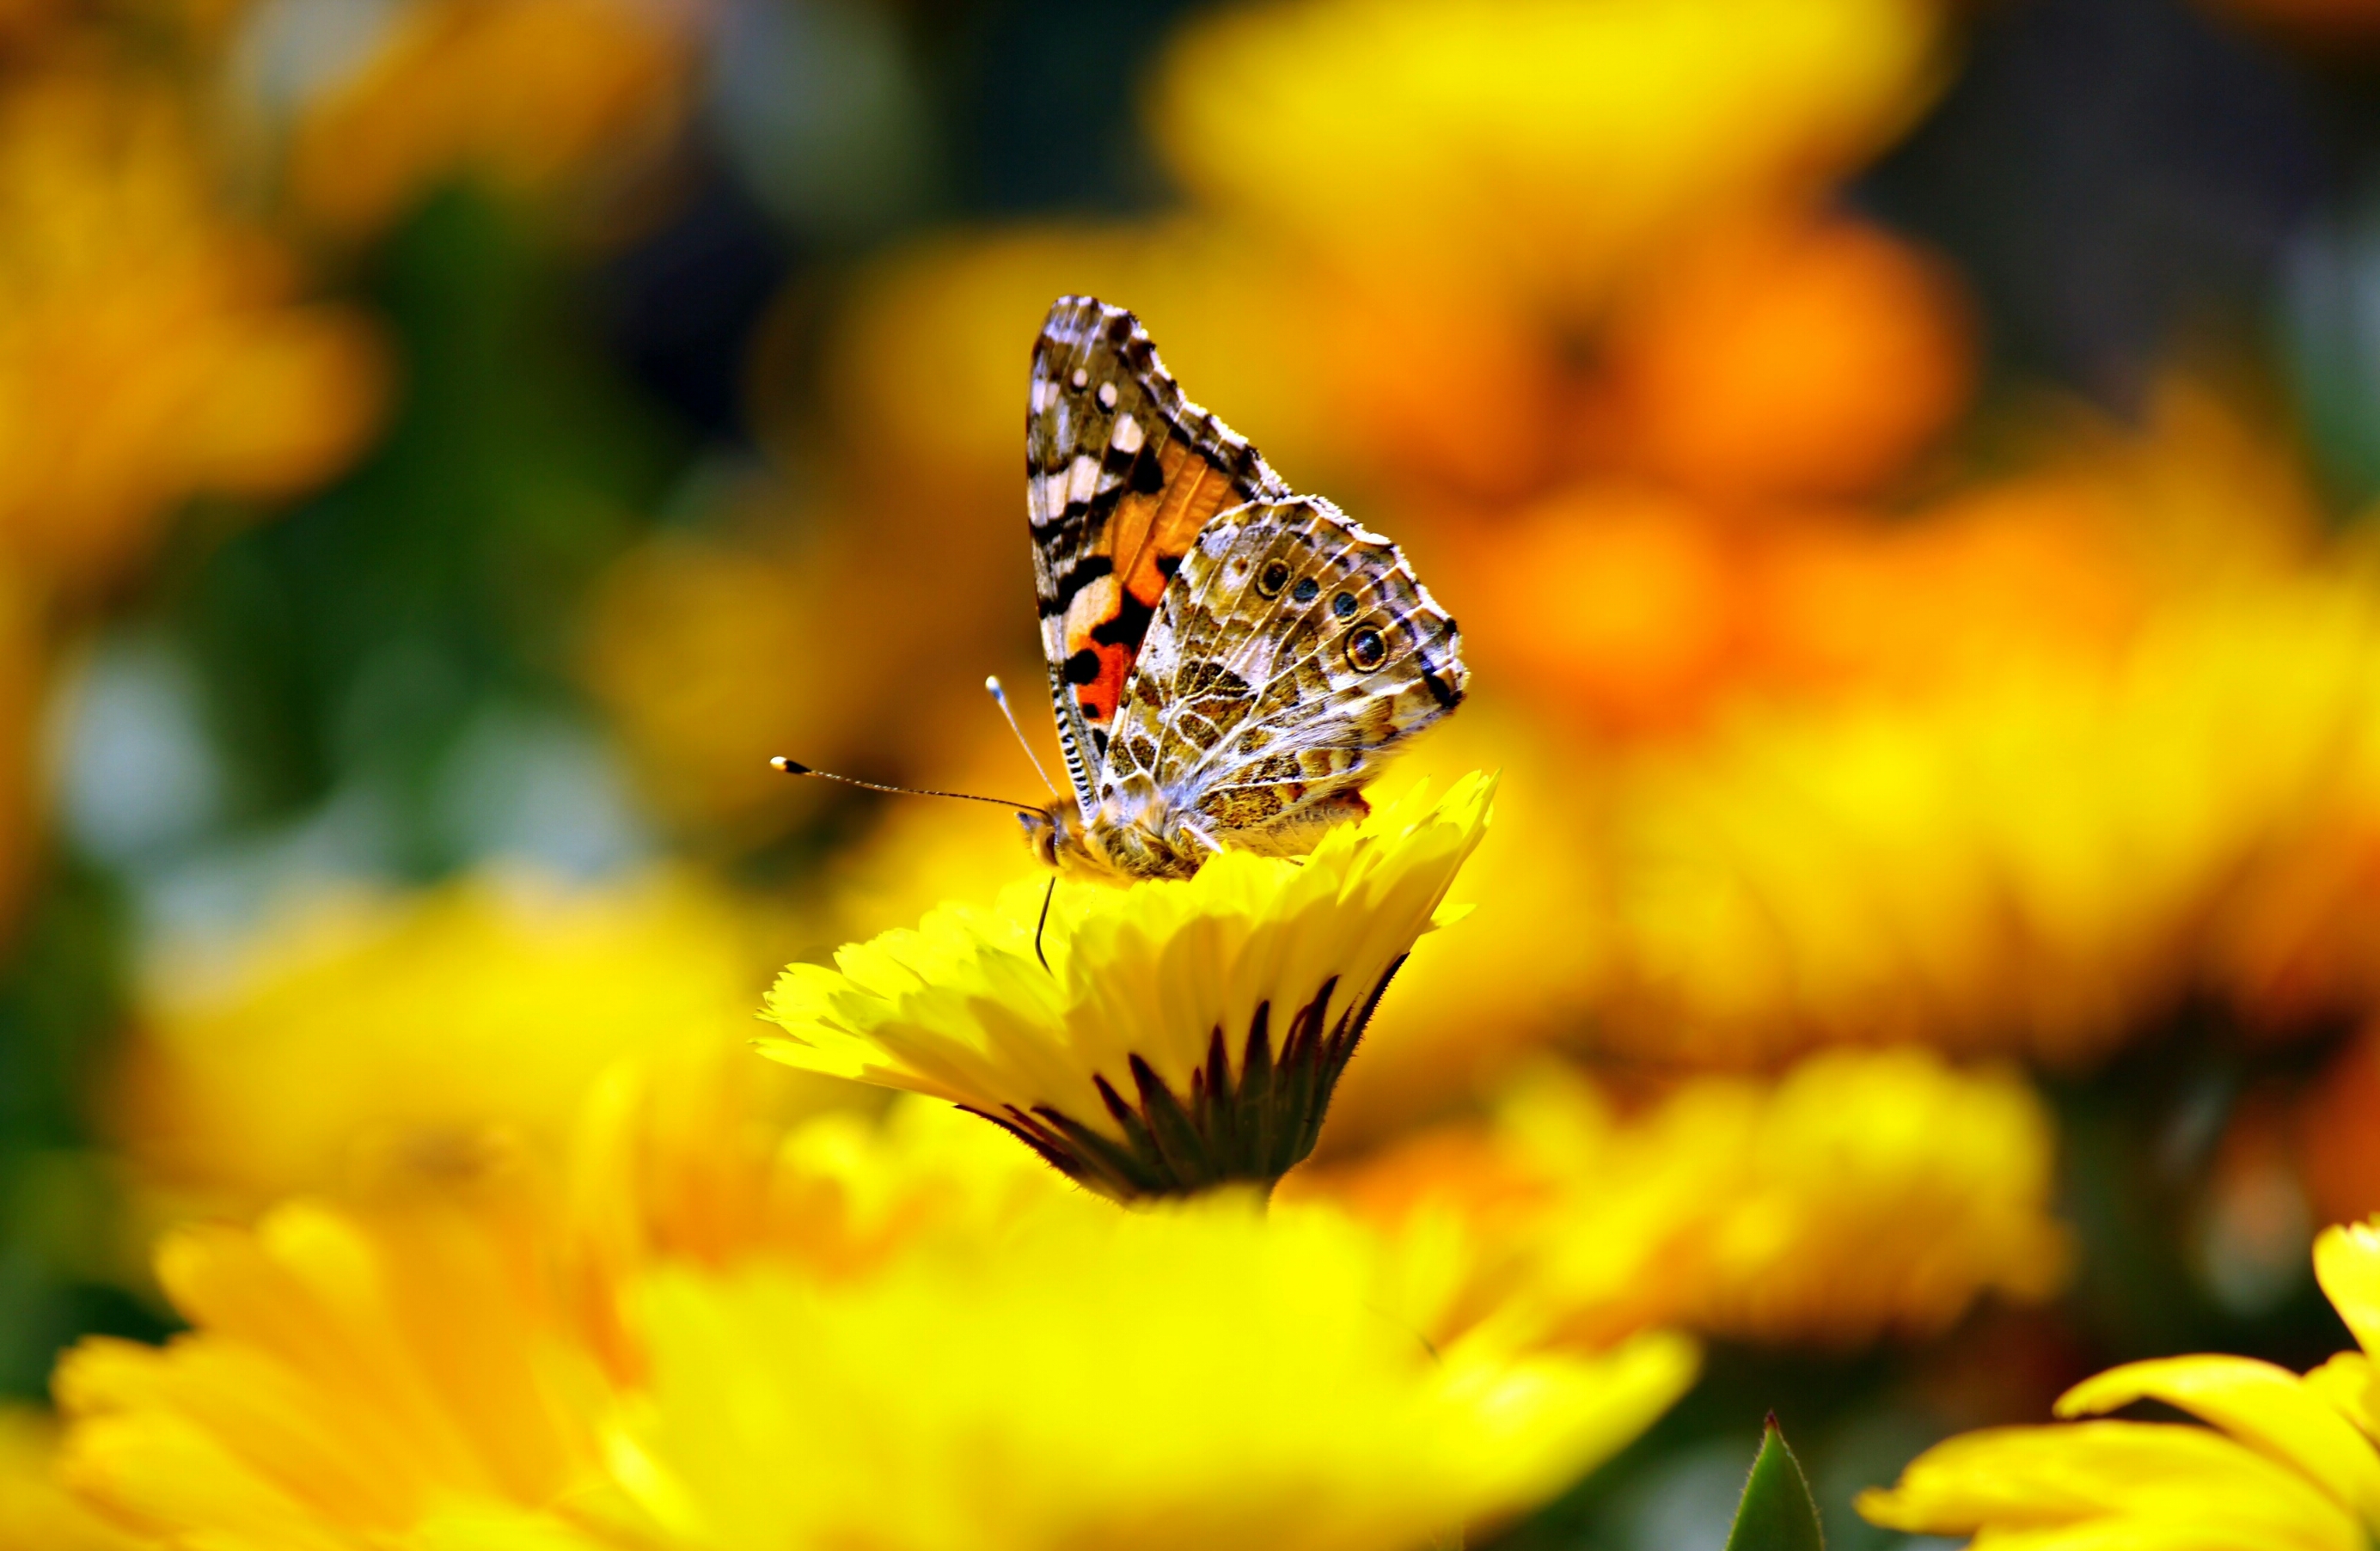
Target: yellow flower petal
{"x":2352,"y":1384}
{"x":36,"y":1512}
{"x":1184,"y":1032}
{"x":2148,"y":1485}
{"x":2267,"y":1407}
{"x":2347,"y":1262}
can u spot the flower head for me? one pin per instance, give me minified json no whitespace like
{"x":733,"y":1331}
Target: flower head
{"x":373,"y":1036}
{"x":151,"y":347}
{"x":1538,"y":143}
{"x":355,"y":1379}
{"x":1182,"y":1033}
{"x":1862,"y":1194}
{"x":1199,"y":1376}
{"x":921,"y":1346}
{"x":2287,"y":1460}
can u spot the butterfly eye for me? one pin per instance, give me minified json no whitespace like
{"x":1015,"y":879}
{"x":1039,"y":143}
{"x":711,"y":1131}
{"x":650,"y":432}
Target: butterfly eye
{"x":1272,"y":579}
{"x":1306,"y":588}
{"x":1344,"y":605}
{"x":1365,"y":648}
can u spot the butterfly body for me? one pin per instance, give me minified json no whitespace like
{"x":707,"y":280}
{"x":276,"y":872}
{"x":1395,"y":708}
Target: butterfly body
{"x":1227,"y":658}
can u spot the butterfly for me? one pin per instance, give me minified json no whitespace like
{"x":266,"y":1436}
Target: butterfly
{"x":1228,"y":659}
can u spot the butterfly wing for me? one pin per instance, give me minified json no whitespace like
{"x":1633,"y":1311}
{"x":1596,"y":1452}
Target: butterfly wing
{"x":1121,"y":472}
{"x":1292,"y":650}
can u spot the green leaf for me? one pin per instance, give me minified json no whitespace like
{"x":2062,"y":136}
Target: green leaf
{"x":1777,"y":1512}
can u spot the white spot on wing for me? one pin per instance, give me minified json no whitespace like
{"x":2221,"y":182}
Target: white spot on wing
{"x":1107,"y":395}
{"x":1128,"y":435}
{"x":1045,"y":394}
{"x":1083,"y":477}
{"x":1081,"y":376}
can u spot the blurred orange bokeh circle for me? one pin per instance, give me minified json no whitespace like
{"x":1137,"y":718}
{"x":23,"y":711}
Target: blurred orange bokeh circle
{"x":1811,"y":361}
{"x":1622,"y":598}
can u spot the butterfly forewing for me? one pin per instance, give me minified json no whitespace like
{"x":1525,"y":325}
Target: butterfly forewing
{"x":1121,"y":475}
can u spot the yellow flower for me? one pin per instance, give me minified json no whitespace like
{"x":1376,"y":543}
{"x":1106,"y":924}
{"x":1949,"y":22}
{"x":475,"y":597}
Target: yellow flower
{"x":441,"y":1370}
{"x":1196,"y":1377}
{"x":523,"y":94}
{"x":355,"y":1379}
{"x":2029,"y":862}
{"x":1530,"y":146}
{"x":1862,"y":1194}
{"x":353,"y":1037}
{"x":2288,"y":1462}
{"x":150,"y":348}
{"x":1225,"y":1005}
{"x":36,"y":1512}
{"x":698,"y":1158}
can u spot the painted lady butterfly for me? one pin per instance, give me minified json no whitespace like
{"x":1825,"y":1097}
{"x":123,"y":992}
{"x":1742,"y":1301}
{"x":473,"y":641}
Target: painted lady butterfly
{"x":1227,"y":657}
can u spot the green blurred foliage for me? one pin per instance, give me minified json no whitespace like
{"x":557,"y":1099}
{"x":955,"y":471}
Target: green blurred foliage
{"x":354,"y":639}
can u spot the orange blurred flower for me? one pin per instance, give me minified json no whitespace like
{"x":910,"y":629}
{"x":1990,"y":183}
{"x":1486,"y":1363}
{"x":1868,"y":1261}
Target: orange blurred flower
{"x":150,"y":348}
{"x":528,"y":96}
{"x":2009,"y":776}
{"x":1797,"y":361}
{"x":1642,"y":611}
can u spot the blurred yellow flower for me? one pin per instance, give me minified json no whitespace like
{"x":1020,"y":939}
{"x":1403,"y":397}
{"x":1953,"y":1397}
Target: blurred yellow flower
{"x":36,"y":1512}
{"x":2032,"y":862}
{"x":420,"y":1372}
{"x":1225,"y":1005}
{"x":393,"y":1377}
{"x":1533,"y":147}
{"x":714,"y":1158}
{"x":353,"y":1037}
{"x":686,"y":646}
{"x":1197,"y":1377}
{"x":525,"y":95}
{"x":2287,"y":1461}
{"x":1861,"y":1195}
{"x":151,"y":348}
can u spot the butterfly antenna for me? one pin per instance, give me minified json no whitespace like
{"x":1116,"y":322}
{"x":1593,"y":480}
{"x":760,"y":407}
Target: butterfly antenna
{"x":791,"y":768}
{"x":1046,"y":895}
{"x":1000,"y":698}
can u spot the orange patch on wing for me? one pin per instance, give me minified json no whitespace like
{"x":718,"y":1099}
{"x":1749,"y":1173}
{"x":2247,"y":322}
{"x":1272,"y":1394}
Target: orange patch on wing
{"x":1151,"y":534}
{"x":1099,"y":697}
{"x":1163,"y":526}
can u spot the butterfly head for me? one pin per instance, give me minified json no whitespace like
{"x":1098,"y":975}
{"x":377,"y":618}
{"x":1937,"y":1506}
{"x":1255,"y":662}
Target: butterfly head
{"x":1051,"y":832}
{"x":1134,"y":836}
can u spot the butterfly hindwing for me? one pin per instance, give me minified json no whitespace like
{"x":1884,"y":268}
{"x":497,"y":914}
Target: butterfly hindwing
{"x":1292,"y":649}
{"x":1121,"y":475}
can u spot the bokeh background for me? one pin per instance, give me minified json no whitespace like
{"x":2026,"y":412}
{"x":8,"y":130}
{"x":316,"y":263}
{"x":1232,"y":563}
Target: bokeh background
{"x":1904,"y":470}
